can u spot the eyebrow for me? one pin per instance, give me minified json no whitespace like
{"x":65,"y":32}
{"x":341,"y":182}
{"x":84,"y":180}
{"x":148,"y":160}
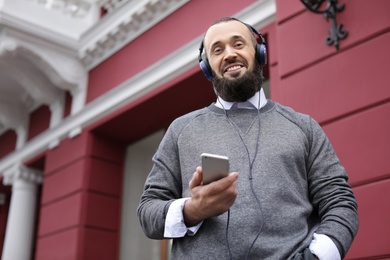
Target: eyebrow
{"x":234,"y":37}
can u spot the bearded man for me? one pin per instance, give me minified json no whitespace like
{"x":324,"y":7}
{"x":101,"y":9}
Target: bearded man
{"x":286,"y":196}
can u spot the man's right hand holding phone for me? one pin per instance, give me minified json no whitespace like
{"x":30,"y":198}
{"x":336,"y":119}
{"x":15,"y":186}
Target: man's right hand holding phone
{"x":209,"y":200}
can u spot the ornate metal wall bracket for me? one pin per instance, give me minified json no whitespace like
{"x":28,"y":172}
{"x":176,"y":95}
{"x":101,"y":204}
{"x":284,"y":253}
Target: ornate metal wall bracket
{"x":336,"y":32}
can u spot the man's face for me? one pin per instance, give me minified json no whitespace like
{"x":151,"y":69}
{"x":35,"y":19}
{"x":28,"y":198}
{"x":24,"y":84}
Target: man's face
{"x":229,"y":49}
{"x":231,"y":56}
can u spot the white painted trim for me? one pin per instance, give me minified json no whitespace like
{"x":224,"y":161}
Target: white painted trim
{"x":121,"y":27}
{"x":19,"y":28}
{"x":259,"y":14}
{"x":175,"y":64}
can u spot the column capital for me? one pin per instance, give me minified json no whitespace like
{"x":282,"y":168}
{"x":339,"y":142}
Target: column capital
{"x":19,"y":171}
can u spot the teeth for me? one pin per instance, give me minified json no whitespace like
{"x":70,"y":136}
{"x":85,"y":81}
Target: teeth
{"x":233,"y":68}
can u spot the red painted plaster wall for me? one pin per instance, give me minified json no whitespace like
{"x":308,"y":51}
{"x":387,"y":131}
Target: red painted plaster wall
{"x":342,"y":84}
{"x":4,"y":209}
{"x":187,"y":23}
{"x":362,"y":142}
{"x":81,"y":200}
{"x":348,"y":93}
{"x":39,"y":121}
{"x":7,"y":143}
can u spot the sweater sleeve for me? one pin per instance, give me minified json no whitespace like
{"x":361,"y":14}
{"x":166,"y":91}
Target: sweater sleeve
{"x":330,"y":192}
{"x":162,"y":187}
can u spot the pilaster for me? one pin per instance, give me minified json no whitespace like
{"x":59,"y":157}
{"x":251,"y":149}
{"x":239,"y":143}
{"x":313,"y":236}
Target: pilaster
{"x":21,"y":218}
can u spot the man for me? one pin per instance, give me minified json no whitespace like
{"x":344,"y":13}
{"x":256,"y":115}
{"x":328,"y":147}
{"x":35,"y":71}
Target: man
{"x":287,"y":195}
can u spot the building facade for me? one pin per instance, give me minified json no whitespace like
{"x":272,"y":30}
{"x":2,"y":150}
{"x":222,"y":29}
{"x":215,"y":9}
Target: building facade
{"x":87,"y":89}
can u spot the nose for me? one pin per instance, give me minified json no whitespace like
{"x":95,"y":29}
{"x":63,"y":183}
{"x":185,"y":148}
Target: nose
{"x":230,"y":53}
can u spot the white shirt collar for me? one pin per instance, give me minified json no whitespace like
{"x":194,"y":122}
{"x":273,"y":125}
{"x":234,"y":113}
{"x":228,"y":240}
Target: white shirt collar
{"x":253,"y":100}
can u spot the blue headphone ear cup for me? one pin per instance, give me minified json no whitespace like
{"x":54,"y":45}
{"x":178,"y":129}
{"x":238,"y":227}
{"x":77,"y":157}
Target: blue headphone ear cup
{"x":261,"y":54}
{"x":206,"y":69}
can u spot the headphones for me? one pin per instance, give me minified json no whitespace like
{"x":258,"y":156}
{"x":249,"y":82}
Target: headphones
{"x":261,"y":54}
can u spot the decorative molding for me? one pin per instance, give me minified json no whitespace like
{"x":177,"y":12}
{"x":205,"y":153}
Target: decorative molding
{"x":7,"y":45}
{"x":111,"y":5}
{"x":58,"y":70}
{"x":34,"y":19}
{"x":121,"y":26}
{"x":36,"y":75}
{"x":19,"y":171}
{"x":57,"y":110}
{"x":73,"y":8}
{"x":21,"y":134}
{"x":64,"y":71}
{"x":91,"y":41}
{"x":173,"y":65}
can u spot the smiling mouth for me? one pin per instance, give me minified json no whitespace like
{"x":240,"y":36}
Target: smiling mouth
{"x":233,"y":71}
{"x":233,"y":68}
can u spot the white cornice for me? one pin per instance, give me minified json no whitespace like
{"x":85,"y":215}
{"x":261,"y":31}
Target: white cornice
{"x":15,"y":22}
{"x":260,"y":13}
{"x":91,"y":43}
{"x":122,"y":26}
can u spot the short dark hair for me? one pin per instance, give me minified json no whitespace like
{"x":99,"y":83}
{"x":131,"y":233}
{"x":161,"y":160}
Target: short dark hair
{"x":224,"y":19}
{"x":228,"y":19}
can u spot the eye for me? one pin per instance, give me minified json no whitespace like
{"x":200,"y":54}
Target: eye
{"x":238,"y":44}
{"x":217,"y":50}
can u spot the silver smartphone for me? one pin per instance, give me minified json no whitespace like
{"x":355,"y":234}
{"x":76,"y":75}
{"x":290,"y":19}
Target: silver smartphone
{"x":214,"y":167}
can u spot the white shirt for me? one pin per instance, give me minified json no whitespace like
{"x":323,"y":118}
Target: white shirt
{"x":251,"y":103}
{"x":321,"y":245}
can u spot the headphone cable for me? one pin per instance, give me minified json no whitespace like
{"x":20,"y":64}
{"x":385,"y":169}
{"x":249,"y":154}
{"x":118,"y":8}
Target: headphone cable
{"x":251,"y":162}
{"x":253,"y":190}
{"x":227,"y":236}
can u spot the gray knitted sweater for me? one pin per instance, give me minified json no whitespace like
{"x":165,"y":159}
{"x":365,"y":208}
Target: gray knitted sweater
{"x":298,"y":184}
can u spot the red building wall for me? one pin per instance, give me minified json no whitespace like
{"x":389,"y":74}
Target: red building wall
{"x":173,"y":32}
{"x":81,"y":200}
{"x":348,"y":93}
{"x":7,"y":143}
{"x":39,"y":121}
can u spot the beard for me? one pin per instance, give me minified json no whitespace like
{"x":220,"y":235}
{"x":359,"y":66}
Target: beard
{"x":239,"y":89}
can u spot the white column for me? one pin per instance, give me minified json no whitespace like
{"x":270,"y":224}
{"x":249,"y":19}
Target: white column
{"x":21,"y":217}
